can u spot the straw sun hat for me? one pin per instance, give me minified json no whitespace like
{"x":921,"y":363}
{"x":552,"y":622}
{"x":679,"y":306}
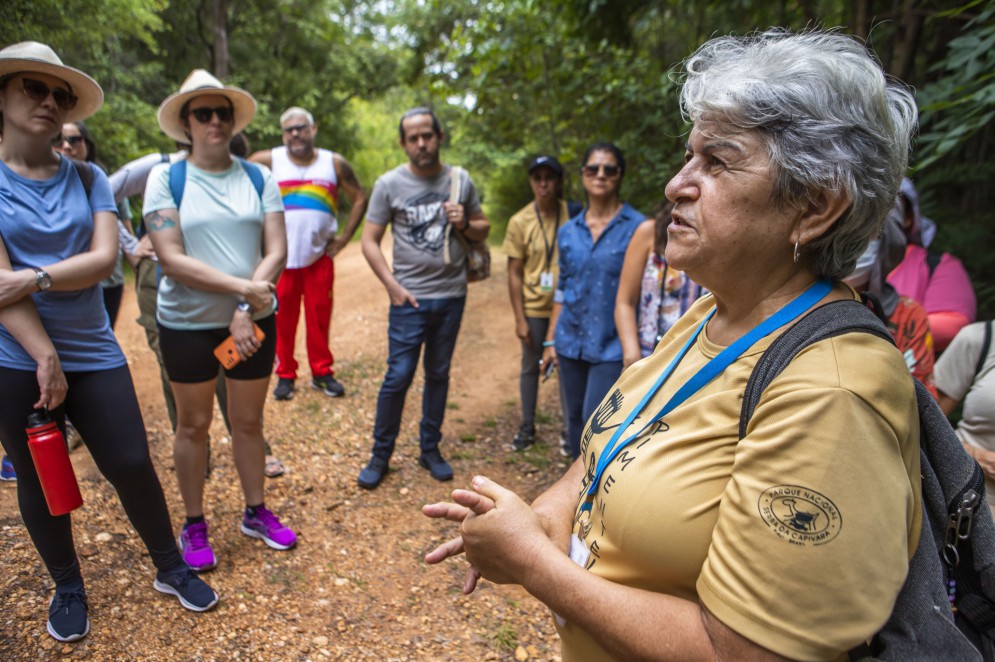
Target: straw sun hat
{"x":33,"y":57}
{"x":201,"y":83}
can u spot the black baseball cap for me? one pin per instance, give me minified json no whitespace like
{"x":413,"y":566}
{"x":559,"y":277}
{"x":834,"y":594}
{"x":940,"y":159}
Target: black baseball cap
{"x":544,"y":161}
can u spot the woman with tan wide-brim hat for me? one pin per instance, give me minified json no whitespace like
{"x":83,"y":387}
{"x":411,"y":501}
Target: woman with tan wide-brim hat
{"x":216,"y":224}
{"x":58,"y":239}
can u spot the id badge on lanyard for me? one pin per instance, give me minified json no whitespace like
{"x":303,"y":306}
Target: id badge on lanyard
{"x":546,"y":281}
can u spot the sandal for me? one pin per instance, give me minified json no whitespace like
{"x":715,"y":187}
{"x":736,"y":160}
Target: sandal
{"x":273,"y":467}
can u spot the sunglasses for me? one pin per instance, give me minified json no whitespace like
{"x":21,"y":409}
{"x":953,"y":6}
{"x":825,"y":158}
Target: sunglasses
{"x":203,"y":115}
{"x":72,"y":140}
{"x":593,"y":170}
{"x":298,"y":128}
{"x":37,"y":90}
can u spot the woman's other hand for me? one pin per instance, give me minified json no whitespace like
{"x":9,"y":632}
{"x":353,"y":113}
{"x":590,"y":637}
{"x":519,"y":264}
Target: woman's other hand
{"x":51,"y":383}
{"x":244,"y":334}
{"x":454,"y":547}
{"x":504,"y":541}
{"x":15,"y":285}
{"x":549,"y":354}
{"x":522,"y":331}
{"x":259,"y":294}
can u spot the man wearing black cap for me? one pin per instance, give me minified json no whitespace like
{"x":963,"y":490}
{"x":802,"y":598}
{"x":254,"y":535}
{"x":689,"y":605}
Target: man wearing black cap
{"x":530,"y":244}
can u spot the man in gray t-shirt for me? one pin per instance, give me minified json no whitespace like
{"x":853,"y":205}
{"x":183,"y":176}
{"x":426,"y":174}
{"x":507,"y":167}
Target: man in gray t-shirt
{"x":427,"y":294}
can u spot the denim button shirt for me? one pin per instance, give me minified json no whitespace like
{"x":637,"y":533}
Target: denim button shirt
{"x":589,"y":273}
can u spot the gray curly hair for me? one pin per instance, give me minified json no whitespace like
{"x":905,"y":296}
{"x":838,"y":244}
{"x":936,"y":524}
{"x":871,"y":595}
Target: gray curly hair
{"x":828,"y":116}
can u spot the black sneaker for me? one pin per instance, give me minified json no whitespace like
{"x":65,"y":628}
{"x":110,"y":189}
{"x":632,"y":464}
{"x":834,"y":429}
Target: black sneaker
{"x":524,"y":438}
{"x":192,"y":591}
{"x":329,"y":386}
{"x":373,"y":473}
{"x":284,"y":389}
{"x":436,"y":465}
{"x":67,"y":619}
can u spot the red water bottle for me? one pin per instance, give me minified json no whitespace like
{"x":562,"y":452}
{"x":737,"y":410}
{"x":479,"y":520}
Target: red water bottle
{"x":51,"y":458}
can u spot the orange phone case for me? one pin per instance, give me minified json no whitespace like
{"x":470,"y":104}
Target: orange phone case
{"x":226,"y":353}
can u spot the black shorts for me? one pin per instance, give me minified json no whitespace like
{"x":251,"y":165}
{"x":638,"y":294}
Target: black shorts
{"x":188,"y":355}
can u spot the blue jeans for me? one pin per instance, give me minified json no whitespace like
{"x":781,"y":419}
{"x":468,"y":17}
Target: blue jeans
{"x":585,"y":385}
{"x":434,"y":324}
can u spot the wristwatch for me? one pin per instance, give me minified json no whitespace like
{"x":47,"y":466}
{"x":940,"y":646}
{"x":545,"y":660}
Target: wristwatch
{"x":243,"y":307}
{"x":42,"y":280}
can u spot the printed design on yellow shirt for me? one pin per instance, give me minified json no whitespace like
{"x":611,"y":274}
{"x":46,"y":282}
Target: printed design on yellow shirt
{"x":800,"y":515}
{"x":597,"y":426}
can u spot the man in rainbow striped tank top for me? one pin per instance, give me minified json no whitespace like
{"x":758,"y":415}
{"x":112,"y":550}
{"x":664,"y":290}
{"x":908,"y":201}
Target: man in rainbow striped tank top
{"x":310,"y":180}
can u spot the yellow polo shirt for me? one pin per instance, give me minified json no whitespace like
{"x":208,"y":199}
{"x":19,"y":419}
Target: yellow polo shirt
{"x":536,"y":247}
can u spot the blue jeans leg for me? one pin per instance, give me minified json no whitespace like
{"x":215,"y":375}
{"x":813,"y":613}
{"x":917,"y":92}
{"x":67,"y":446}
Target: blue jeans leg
{"x":406,"y":331}
{"x":440,"y":342}
{"x":573,"y":377}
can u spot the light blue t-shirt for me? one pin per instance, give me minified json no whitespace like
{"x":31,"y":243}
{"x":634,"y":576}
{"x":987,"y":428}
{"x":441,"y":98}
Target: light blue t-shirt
{"x":43,"y":222}
{"x":221,"y":220}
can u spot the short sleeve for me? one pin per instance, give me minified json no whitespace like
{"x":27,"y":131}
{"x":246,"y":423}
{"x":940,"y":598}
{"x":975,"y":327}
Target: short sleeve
{"x":514,"y":238}
{"x":101,"y":198}
{"x":272,"y":200}
{"x":379,"y":212}
{"x":157,"y":193}
{"x":821,"y":513}
{"x":954,"y":370}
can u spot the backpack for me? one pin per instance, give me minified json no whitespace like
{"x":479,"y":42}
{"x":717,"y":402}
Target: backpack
{"x":946,"y":608}
{"x":178,"y":178}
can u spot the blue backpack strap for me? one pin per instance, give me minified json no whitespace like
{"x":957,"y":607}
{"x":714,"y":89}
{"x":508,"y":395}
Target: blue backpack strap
{"x":255,"y":176}
{"x":178,"y":181}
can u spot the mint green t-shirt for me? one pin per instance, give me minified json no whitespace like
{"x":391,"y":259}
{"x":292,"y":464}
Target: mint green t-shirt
{"x":221,"y":220}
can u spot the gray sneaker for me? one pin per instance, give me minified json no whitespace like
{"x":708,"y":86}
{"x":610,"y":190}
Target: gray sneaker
{"x":373,"y":473}
{"x":284,"y":389}
{"x":436,"y":465}
{"x":329,"y":386}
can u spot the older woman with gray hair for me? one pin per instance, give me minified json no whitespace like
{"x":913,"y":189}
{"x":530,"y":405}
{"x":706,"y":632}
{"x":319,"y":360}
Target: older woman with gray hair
{"x":673,"y":537}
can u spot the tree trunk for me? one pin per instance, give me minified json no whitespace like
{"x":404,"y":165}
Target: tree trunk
{"x":221,"y":57}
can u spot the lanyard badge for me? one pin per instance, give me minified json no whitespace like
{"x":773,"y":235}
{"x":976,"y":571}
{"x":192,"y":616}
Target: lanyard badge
{"x":706,"y":374}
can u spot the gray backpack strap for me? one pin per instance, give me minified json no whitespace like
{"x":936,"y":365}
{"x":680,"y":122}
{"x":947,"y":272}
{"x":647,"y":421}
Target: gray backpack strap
{"x":923,"y":626}
{"x":828,"y":321}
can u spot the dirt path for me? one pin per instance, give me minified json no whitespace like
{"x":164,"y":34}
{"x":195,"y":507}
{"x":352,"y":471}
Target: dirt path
{"x":355,"y":587}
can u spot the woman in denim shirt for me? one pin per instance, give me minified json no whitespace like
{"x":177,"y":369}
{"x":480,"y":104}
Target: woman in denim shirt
{"x":582,"y":338}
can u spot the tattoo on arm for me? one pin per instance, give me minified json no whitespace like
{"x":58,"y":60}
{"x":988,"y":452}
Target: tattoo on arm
{"x":156,"y":221}
{"x":348,"y":176}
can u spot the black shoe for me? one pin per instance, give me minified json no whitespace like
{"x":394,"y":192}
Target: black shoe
{"x":329,"y":386}
{"x":436,"y":465}
{"x":373,"y":473}
{"x":524,"y":438}
{"x":284,"y":389}
{"x":67,"y":619}
{"x":192,"y":591}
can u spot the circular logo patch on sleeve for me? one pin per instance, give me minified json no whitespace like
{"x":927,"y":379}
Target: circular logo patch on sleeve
{"x":800,"y":515}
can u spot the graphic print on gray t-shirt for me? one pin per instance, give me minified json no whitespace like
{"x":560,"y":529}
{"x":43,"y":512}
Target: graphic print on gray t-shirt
{"x":413,"y":207}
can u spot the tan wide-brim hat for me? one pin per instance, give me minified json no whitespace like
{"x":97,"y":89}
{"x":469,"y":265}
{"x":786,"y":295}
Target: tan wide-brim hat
{"x":32,"y":57}
{"x":201,"y":83}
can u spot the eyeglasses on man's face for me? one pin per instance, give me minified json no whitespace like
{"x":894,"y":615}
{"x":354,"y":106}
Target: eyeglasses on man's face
{"x":297,"y":128}
{"x":203,"y":115}
{"x":37,"y":90}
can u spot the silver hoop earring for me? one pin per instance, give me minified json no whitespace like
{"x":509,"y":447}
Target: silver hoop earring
{"x":796,"y":251}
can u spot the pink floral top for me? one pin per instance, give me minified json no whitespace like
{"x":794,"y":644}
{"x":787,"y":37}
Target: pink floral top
{"x":664,"y":296}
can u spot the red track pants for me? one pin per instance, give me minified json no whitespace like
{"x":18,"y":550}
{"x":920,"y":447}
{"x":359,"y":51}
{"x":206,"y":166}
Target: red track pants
{"x":314,"y":285}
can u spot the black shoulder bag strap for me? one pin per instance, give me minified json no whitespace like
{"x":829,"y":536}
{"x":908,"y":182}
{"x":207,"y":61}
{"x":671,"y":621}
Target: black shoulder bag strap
{"x":85,"y":173}
{"x":985,"y":346}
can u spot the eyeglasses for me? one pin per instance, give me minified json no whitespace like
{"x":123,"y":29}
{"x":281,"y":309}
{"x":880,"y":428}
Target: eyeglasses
{"x":593,"y":170}
{"x":299,"y":128}
{"x":203,"y":115}
{"x":37,"y":90}
{"x":72,"y":140}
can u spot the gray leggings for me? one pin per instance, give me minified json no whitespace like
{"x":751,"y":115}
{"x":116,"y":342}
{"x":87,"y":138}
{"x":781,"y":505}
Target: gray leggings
{"x":528,"y":382}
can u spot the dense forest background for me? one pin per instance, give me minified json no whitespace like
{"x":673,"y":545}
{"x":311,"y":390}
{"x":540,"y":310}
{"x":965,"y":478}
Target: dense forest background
{"x":514,"y":77}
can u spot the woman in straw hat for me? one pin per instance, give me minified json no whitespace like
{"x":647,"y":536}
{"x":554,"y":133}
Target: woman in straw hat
{"x":58,"y":239}
{"x":216,"y":223}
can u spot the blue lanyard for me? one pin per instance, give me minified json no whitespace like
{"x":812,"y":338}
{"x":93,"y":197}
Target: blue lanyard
{"x":707,"y":373}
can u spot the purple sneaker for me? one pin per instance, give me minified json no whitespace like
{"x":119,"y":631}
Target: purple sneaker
{"x":266,"y":526}
{"x":196,"y":548}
